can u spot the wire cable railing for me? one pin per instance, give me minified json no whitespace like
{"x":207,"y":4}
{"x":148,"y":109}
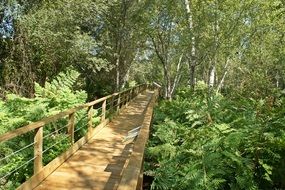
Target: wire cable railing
{"x":107,"y":105}
{"x":16,"y":152}
{"x":54,"y":132}
{"x":16,"y":169}
{"x":47,"y":149}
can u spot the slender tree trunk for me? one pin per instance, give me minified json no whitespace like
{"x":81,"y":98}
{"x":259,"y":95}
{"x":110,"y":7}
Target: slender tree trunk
{"x":177,"y":76}
{"x":221,"y":83}
{"x":126,"y":77}
{"x":277,"y":77}
{"x":118,"y":73}
{"x":212,"y":71}
{"x":167,"y":81}
{"x":192,"y":62}
{"x":192,"y":75}
{"x":212,"y":76}
{"x":161,"y":52}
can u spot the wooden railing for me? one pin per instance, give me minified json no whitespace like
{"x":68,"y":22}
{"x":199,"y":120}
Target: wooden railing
{"x":115,"y":102}
{"x":132,"y":176}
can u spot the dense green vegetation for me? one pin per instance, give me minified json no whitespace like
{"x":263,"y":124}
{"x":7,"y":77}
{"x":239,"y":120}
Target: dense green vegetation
{"x":16,"y":111}
{"x":224,"y":132}
{"x":217,"y":142}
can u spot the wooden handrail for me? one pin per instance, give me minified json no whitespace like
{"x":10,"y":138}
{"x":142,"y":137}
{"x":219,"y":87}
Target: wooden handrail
{"x":22,"y":130}
{"x":132,"y":175}
{"x":39,"y":171}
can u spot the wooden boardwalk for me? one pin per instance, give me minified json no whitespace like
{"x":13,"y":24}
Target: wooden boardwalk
{"x":100,"y":163}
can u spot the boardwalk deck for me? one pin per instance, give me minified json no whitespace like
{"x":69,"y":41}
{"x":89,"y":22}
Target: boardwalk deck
{"x":100,"y":162}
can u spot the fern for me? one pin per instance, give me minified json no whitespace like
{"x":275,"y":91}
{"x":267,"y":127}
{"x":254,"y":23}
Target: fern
{"x":217,"y":143}
{"x":17,"y":111}
{"x":60,"y":93}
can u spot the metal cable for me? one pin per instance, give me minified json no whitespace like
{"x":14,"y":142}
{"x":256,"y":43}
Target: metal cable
{"x":62,"y":128}
{"x":55,"y":131}
{"x":79,"y":128}
{"x":16,"y":152}
{"x":81,"y":118}
{"x":55,"y":144}
{"x":3,"y":177}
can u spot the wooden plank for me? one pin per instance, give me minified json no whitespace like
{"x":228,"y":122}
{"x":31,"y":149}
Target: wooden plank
{"x":35,"y":180}
{"x":118,"y":103}
{"x":90,"y":159}
{"x":99,"y":127}
{"x":103,"y":117}
{"x":71,"y":121}
{"x":38,"y":150}
{"x":96,"y":181}
{"x":140,"y":180}
{"x":48,"y":169}
{"x":128,"y":97}
{"x":132,"y":172}
{"x":112,"y":104}
{"x":90,"y":118}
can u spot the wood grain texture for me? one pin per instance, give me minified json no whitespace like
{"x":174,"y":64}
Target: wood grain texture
{"x":38,"y":150}
{"x":132,"y":176}
{"x":100,"y":163}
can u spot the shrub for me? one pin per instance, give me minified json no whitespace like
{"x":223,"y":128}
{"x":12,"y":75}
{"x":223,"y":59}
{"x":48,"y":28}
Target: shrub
{"x":201,"y":142}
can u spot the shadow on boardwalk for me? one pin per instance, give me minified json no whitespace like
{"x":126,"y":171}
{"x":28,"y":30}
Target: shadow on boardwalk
{"x":99,"y":163}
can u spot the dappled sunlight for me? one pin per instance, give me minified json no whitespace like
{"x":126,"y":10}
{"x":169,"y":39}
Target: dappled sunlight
{"x":100,"y":163}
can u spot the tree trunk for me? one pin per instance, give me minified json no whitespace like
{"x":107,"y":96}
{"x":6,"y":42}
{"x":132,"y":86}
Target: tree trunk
{"x":192,"y":81}
{"x":192,"y":63}
{"x":177,"y":76}
{"x":221,"y":83}
{"x":118,"y":73}
{"x":126,"y":77}
{"x":212,"y":71}
{"x":212,"y":76}
{"x":167,"y":92}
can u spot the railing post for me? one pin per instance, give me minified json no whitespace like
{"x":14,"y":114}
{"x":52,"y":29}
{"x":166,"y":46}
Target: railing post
{"x":131,"y":95}
{"x":38,"y":150}
{"x":127,"y":97}
{"x":103,"y":117}
{"x":123,"y":99}
{"x":118,"y":102}
{"x":140,"y":179}
{"x":137,"y":91}
{"x":71,"y":120}
{"x":90,"y":117}
{"x":112,"y":104}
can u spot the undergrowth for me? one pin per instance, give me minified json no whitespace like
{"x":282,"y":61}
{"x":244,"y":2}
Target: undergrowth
{"x":57,"y":95}
{"x":217,"y":142}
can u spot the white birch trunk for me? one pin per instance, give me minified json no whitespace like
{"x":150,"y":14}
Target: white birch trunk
{"x":192,"y":63}
{"x":118,"y":74}
{"x":212,"y":76}
{"x":177,"y":76}
{"x":221,"y":83}
{"x":126,"y":77}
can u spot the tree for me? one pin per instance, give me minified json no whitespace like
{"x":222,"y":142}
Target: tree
{"x":50,"y":38}
{"x":163,"y":31}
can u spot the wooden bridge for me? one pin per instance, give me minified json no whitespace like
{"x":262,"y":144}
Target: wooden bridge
{"x":108,"y":157}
